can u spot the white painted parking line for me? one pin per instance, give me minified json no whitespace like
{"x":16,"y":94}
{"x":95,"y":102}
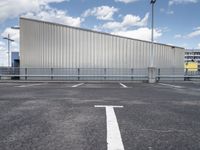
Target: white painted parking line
{"x":170,"y":85}
{"x":123,"y":85}
{"x":114,"y":140}
{"x":77,"y":85}
{"x":28,"y":85}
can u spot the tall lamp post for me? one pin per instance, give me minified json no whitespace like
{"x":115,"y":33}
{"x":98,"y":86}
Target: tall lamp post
{"x":152,"y":34}
{"x":152,"y":69}
{"x":9,"y":40}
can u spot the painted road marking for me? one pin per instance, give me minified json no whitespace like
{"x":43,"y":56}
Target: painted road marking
{"x":77,"y":85}
{"x":174,"y":86}
{"x":28,"y":85}
{"x":123,"y":85}
{"x":114,"y":140}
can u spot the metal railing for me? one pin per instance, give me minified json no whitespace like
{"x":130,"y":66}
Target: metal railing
{"x":96,"y":74}
{"x":177,"y":74}
{"x":74,"y":73}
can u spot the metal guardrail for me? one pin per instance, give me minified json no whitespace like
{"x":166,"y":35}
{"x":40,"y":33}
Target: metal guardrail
{"x":96,"y":73}
{"x":75,"y":73}
{"x":177,"y":74}
{"x":139,"y":76}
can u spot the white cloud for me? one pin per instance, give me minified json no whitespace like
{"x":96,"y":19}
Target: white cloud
{"x":135,"y":20}
{"x":194,"y":33}
{"x":2,"y":43}
{"x":54,"y":15}
{"x":168,"y":12}
{"x":197,"y":28}
{"x":14,"y":46}
{"x":101,"y":13}
{"x":162,"y":9}
{"x":127,"y":27}
{"x":14,"y":34}
{"x":3,"y":54}
{"x":140,"y":33}
{"x":190,"y":35}
{"x":199,"y":45}
{"x":126,"y":1}
{"x":128,"y":21}
{"x":177,"y":36}
{"x":38,"y":10}
{"x":3,"y":58}
{"x":172,"y":2}
{"x":15,"y":8}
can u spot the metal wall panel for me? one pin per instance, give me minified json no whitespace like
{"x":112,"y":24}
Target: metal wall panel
{"x":49,"y":45}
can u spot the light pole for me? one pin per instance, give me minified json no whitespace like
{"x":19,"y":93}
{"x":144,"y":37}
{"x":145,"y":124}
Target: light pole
{"x":152,"y":35}
{"x":9,"y":40}
{"x":151,"y":68}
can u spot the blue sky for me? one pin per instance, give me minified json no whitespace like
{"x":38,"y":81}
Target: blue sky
{"x":176,"y":21}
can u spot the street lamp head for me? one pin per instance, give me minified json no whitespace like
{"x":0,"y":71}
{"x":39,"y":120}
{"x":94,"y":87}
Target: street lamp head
{"x":5,"y":38}
{"x":153,"y":1}
{"x":16,"y":28}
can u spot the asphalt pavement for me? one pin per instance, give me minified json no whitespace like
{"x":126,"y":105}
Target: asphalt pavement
{"x":62,"y":116}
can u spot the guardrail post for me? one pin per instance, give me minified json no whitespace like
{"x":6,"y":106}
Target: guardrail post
{"x":25,"y":73}
{"x":51,"y":73}
{"x":105,"y":73}
{"x":152,"y":75}
{"x":186,"y":74}
{"x":132,"y":73}
{"x":158,"y":74}
{"x":78,"y":74}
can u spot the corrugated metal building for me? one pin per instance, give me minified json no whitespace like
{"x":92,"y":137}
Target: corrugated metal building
{"x":74,"y":53}
{"x":51,"y":45}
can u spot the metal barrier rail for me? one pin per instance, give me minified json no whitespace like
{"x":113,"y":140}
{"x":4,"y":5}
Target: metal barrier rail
{"x":135,"y":76}
{"x":139,"y":76}
{"x":97,"y":73}
{"x":177,"y":76}
{"x":84,"y":73}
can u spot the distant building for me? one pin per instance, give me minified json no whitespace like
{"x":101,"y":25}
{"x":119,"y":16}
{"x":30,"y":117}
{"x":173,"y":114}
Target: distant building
{"x":15,"y":59}
{"x":191,"y":66}
{"x":192,"y":55}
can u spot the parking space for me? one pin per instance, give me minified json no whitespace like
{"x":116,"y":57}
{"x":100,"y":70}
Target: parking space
{"x":67,"y":84}
{"x":62,"y":116}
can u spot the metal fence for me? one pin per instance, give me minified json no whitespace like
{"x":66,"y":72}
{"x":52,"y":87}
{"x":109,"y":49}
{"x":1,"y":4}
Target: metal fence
{"x":177,"y":74}
{"x":73,"y":74}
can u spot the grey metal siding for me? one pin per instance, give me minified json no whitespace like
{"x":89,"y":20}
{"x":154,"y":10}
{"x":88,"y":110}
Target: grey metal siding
{"x":48,"y":45}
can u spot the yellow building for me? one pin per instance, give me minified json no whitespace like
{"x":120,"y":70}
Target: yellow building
{"x":191,"y":66}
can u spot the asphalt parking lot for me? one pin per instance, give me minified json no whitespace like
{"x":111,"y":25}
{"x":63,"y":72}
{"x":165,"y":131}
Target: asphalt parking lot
{"x":63,"y":116}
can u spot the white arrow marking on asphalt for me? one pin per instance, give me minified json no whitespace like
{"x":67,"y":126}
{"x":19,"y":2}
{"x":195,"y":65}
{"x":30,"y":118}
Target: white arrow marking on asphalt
{"x":170,"y":85}
{"x":29,"y":85}
{"x":123,"y":85}
{"x":114,"y":140}
{"x":77,"y":85}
